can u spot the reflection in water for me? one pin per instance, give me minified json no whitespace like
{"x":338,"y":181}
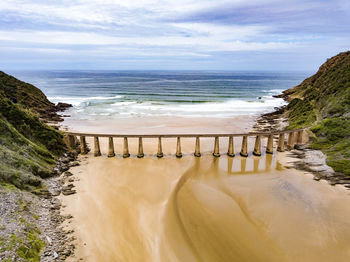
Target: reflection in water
{"x":208,"y":209}
{"x":251,"y":165}
{"x":268,"y":158}
{"x":210,"y":218}
{"x":211,"y":241}
{"x":256,"y":164}
{"x":243,"y":164}
{"x":238,"y":165}
{"x":229,"y":164}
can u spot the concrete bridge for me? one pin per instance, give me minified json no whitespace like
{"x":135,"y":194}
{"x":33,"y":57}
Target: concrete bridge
{"x":293,"y":137}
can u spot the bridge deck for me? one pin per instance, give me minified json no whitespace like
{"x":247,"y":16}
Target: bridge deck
{"x":184,"y":135}
{"x":294,"y":137}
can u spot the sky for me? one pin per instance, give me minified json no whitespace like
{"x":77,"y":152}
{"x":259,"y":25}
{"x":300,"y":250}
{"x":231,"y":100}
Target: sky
{"x":172,"y":34}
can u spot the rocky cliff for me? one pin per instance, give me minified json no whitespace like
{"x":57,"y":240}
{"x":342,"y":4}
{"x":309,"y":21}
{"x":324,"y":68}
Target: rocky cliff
{"x":322,"y":101}
{"x":28,"y":146}
{"x":29,"y":150}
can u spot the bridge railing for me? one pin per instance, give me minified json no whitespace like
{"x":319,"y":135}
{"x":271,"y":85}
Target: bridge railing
{"x":294,"y":137}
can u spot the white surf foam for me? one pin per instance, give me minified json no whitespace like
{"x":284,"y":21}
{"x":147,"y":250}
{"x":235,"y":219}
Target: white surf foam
{"x":229,"y":108}
{"x":76,"y":100}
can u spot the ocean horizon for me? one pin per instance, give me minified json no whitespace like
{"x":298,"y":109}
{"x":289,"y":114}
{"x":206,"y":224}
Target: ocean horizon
{"x":122,"y":94}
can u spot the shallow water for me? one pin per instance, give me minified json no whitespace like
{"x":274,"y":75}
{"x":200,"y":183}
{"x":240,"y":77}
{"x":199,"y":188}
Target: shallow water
{"x":205,"y":209}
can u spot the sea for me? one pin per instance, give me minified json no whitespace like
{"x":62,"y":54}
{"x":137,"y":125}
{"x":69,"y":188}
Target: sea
{"x":121,"y":94}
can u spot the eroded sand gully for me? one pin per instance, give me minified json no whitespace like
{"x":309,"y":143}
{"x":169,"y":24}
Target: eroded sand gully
{"x":204,"y":209}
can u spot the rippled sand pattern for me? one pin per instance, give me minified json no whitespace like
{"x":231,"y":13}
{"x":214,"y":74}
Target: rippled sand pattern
{"x":206,"y":209}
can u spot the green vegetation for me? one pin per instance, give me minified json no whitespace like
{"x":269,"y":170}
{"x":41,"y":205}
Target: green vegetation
{"x":333,"y":137}
{"x":27,"y":247}
{"x":28,"y":147}
{"x":24,"y":94}
{"x":301,"y":113}
{"x":7,"y":187}
{"x":322,"y":101}
{"x":23,"y":238}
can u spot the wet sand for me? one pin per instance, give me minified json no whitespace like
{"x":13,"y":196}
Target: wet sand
{"x":204,"y":209}
{"x":162,"y":125}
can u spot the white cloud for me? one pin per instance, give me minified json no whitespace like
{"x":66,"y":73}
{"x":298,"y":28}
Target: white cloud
{"x":223,"y":32}
{"x":211,"y":43}
{"x":113,"y":11}
{"x":141,"y":28}
{"x":34,"y":50}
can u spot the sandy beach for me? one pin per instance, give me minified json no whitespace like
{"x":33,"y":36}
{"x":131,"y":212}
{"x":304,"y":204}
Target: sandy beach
{"x":175,"y":131}
{"x":162,"y":125}
{"x":201,"y":209}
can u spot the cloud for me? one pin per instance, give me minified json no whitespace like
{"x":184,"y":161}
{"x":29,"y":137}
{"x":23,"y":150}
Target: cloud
{"x":219,"y":41}
{"x":282,"y":17}
{"x":175,"y":30}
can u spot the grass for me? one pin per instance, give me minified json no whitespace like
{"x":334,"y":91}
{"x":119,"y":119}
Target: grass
{"x":31,"y":248}
{"x":27,"y":247}
{"x":301,"y":113}
{"x":8,"y":187}
{"x":322,"y":102}
{"x":28,"y":147}
{"x":333,"y":137}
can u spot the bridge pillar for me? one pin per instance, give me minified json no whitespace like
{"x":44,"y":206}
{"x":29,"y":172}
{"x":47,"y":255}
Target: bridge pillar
{"x":269,"y":147}
{"x":140,"y":153}
{"x":230,"y":151}
{"x":83,"y":146}
{"x":257,"y":146}
{"x":126,"y":148}
{"x":280,"y":146}
{"x":244,"y":149}
{"x":71,"y":141}
{"x":216,"y":147}
{"x":97,"y":151}
{"x":290,"y":143}
{"x":178,"y":148}
{"x":300,"y":137}
{"x":197,"y":152}
{"x":160,"y":152}
{"x":110,"y":147}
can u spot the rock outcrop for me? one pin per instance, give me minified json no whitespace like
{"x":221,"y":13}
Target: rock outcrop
{"x":322,"y":102}
{"x":30,"y":97}
{"x":29,"y":148}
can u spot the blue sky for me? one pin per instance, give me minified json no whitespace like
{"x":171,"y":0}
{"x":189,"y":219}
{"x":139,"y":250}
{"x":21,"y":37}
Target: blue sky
{"x":172,"y":34}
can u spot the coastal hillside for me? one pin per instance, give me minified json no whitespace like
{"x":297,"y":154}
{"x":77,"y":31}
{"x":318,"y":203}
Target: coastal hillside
{"x":322,"y":101}
{"x":30,"y":150}
{"x":28,"y":146}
